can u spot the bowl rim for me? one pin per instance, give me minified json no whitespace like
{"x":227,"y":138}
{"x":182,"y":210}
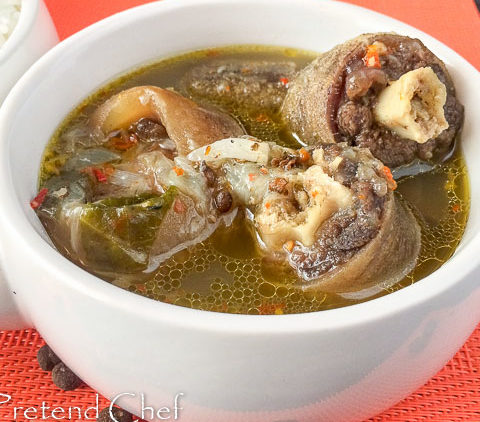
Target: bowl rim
{"x":28,"y":12}
{"x":460,"y":266}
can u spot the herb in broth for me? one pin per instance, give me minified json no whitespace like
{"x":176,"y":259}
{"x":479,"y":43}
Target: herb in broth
{"x":227,"y":272}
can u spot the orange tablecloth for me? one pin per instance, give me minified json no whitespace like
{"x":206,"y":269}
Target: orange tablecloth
{"x":452,"y":395}
{"x":454,"y":22}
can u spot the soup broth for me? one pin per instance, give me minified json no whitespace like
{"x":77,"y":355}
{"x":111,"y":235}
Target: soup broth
{"x":228,"y":272}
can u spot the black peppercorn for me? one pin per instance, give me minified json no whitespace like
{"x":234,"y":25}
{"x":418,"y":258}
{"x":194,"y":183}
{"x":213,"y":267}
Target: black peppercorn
{"x":119,"y":414}
{"x":148,"y":129}
{"x":64,"y":378}
{"x":223,"y":201}
{"x":47,"y":359}
{"x":209,"y":174}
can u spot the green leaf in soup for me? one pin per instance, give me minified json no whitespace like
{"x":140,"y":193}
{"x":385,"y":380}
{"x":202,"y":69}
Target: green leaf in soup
{"x":116,"y":234}
{"x":63,"y":190}
{"x":90,"y":157}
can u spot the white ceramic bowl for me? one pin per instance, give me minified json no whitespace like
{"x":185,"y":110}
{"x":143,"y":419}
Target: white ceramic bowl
{"x":33,"y":35}
{"x":338,"y":365}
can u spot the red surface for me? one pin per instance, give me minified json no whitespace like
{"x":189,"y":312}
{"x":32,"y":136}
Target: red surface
{"x":454,"y":22}
{"x":453,"y":395}
{"x":72,"y":15}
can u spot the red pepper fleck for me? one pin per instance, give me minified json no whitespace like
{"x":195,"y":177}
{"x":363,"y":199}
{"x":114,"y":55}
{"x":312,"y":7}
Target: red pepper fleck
{"x":267,"y":205}
{"x":284,"y":81}
{"x":391,"y":181}
{"x":456,"y":208}
{"x":263,"y":170}
{"x":100,"y":175}
{"x":372,"y":58}
{"x":207,"y":150}
{"x":251,"y":177}
{"x":304,"y":155}
{"x":387,"y":172}
{"x":178,"y":170}
{"x":38,"y":200}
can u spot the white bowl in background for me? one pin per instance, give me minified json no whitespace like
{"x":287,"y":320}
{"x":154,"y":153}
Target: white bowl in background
{"x":33,"y":35}
{"x":339,"y":365}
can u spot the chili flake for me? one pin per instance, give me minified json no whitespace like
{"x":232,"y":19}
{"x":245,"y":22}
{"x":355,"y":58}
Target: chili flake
{"x":38,"y":200}
{"x":372,"y":58}
{"x":263,"y":170}
{"x":267,"y":205}
{"x":100,"y":175}
{"x":178,"y":170}
{"x":207,"y":150}
{"x":456,"y":208}
{"x":388,"y":174}
{"x":251,"y":177}
{"x":284,"y":81}
{"x":304,"y":155}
